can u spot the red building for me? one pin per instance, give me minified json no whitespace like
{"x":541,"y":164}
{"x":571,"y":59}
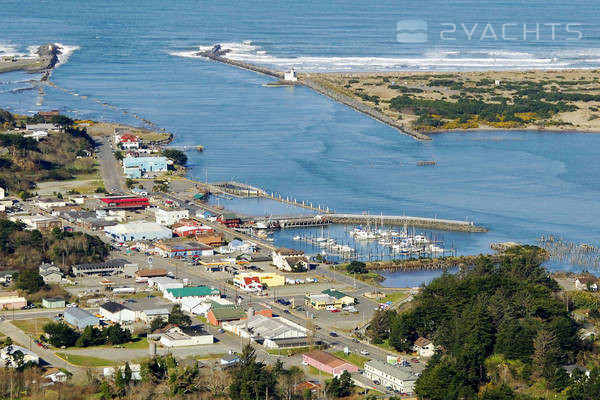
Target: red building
{"x":328,"y":363}
{"x":189,"y":227}
{"x":125,"y":202}
{"x":229,"y":220}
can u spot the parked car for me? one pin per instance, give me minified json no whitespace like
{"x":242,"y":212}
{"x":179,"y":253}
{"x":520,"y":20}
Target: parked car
{"x":333,"y":334}
{"x":335,"y":310}
{"x":364,"y":352}
{"x":71,"y":305}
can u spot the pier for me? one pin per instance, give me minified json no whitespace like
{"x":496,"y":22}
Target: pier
{"x":398,"y":220}
{"x":218,"y":54}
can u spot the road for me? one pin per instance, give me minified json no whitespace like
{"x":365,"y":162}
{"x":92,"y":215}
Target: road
{"x":109,"y":166}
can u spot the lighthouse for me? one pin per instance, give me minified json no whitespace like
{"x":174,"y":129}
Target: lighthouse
{"x":290,"y":76}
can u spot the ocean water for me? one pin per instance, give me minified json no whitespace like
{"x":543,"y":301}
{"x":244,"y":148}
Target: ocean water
{"x":132,"y":60}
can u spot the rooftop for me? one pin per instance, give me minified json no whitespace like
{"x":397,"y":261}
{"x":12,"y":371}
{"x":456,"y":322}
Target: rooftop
{"x":194,"y":291}
{"x":113,"y":307}
{"x":228,"y":313}
{"x":138,"y":227}
{"x":78,"y":313}
{"x":284,"y":251}
{"x":326,"y":358}
{"x":402,"y":373}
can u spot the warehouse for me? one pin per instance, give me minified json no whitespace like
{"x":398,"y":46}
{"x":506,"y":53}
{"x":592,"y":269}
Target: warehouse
{"x":328,"y":363}
{"x":274,"y":332}
{"x":117,"y":313}
{"x":162,"y":283}
{"x":177,"y":337}
{"x":80,"y":318}
{"x":135,"y":231}
{"x":197,"y":292}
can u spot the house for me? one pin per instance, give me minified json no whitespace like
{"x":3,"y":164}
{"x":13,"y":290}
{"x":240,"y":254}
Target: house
{"x":80,"y":318}
{"x":424,"y":347}
{"x":53,"y":302}
{"x":586,"y":282}
{"x":124,"y":202}
{"x":248,"y":283}
{"x":41,"y":127}
{"x":129,"y":141}
{"x":117,"y":312}
{"x":399,"y":378}
{"x":162,"y":283}
{"x":143,"y":275}
{"x":570,"y":369}
{"x":197,"y":292}
{"x":229,"y":220}
{"x":55,"y":375}
{"x":229,"y":360}
{"x":6,"y":276}
{"x":136,"y":167}
{"x":328,"y":363}
{"x":210,"y":239}
{"x":170,"y":217}
{"x":288,"y":259}
{"x":8,"y":355}
{"x":178,"y":249}
{"x":11,"y":301}
{"x":112,"y":267}
{"x":47,"y":115}
{"x":177,"y":337}
{"x":314,"y":388}
{"x":138,"y":231}
{"x":109,"y":372}
{"x":50,"y":273}
{"x":36,"y":135}
{"x":272,"y":333}
{"x":265,"y":278}
{"x":343,"y":298}
{"x":216,"y":316}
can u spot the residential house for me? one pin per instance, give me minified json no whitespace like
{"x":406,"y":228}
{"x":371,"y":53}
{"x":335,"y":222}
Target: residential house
{"x":424,"y":347}
{"x":586,"y":282}
{"x":288,"y":259}
{"x":55,"y":375}
{"x":328,"y":363}
{"x":50,"y":273}
{"x":249,"y":283}
{"x":129,"y":141}
{"x":229,"y":360}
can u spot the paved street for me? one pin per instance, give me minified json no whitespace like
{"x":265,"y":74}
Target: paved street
{"x":111,"y":171}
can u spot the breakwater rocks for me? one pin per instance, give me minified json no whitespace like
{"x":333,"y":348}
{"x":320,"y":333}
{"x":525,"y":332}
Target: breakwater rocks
{"x":420,"y":264}
{"x":46,"y":60}
{"x":419,"y":222}
{"x":362,"y":108}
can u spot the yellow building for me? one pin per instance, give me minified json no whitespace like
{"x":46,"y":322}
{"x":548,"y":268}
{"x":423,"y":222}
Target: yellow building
{"x":269,"y":279}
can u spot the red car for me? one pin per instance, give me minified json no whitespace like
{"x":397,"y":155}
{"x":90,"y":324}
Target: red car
{"x":336,"y":310}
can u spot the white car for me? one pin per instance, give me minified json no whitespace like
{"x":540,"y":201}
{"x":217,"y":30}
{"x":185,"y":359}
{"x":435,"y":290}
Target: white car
{"x":364,"y":352}
{"x":71,"y":305}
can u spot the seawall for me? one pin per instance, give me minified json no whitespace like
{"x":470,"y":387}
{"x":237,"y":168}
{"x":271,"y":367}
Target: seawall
{"x":419,"y":222}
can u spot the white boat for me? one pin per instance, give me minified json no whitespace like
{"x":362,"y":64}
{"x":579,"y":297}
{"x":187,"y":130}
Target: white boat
{"x":297,"y":237}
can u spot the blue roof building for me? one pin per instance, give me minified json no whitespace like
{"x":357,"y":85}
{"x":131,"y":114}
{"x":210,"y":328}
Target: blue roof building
{"x":80,"y":318}
{"x":135,"y":167}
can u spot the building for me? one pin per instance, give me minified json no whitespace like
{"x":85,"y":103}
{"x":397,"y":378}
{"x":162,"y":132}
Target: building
{"x":136,"y":167}
{"x":216,"y":316}
{"x":125,"y":202}
{"x":343,"y":298}
{"x":80,"y":318}
{"x":210,"y":239}
{"x":143,"y":275}
{"x":178,"y":249}
{"x":286,"y":259}
{"x":7,"y":354}
{"x":229,"y":360}
{"x":41,"y":127}
{"x":7,"y":276}
{"x":197,"y":292}
{"x":109,"y":372}
{"x":399,"y":378}
{"x":162,"y":283}
{"x":149,"y":315}
{"x":138,"y":231}
{"x":322,"y":302}
{"x":586,"y":282}
{"x":50,"y":273}
{"x":193,"y":336}
{"x":55,"y":375}
{"x":424,"y":347}
{"x":203,"y":306}
{"x":229,"y":220}
{"x":189,"y":227}
{"x":273,"y":333}
{"x":264,"y":278}
{"x":48,"y":203}
{"x":53,"y":302}
{"x":170,"y":217}
{"x":290,"y":76}
{"x":11,"y":301}
{"x":117,"y":312}
{"x":112,"y":267}
{"x":39,"y":222}
{"x":129,"y":141}
{"x":328,"y":363}
{"x":248,"y":283}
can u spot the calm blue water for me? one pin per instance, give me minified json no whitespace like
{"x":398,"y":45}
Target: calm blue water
{"x":134,"y":56}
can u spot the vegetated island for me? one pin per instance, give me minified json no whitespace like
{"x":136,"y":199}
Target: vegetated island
{"x":425,"y":102}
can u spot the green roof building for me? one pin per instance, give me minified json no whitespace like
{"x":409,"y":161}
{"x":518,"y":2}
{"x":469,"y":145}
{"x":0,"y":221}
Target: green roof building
{"x":340,"y":296}
{"x":216,"y":316}
{"x":192,"y":291}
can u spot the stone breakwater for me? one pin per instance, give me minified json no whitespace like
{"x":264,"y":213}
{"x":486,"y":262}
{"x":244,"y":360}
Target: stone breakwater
{"x":218,"y":55}
{"x":362,"y":108}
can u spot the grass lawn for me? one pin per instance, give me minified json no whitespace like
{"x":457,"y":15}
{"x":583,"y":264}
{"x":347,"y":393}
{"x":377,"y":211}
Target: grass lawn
{"x":355,"y":359}
{"x":291,"y":351}
{"x":32,"y":327}
{"x":136,"y":343}
{"x":85,"y":361}
{"x":395,"y":297}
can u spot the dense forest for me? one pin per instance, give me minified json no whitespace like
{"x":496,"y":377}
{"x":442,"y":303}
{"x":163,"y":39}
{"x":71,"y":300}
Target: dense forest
{"x":498,"y":327}
{"x":25,"y":161}
{"x":25,"y":249}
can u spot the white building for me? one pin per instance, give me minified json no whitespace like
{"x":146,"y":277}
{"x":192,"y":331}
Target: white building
{"x":109,"y":372}
{"x":50,"y":273}
{"x":2,"y":193}
{"x":162,"y":283}
{"x":49,"y":203}
{"x":169,"y":217}
{"x":424,"y":347}
{"x":8,"y":355}
{"x":177,"y":337}
{"x":36,"y":135}
{"x":117,"y":313}
{"x":149,"y":315}
{"x":290,"y":75}
{"x":55,"y":375}
{"x":274,"y":332}
{"x":285,"y":259}
{"x":202,"y":306}
{"x":399,"y":378}
{"x":134,"y":231}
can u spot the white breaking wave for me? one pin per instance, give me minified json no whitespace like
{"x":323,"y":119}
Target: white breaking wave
{"x":66,"y":52}
{"x":432,"y":59}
